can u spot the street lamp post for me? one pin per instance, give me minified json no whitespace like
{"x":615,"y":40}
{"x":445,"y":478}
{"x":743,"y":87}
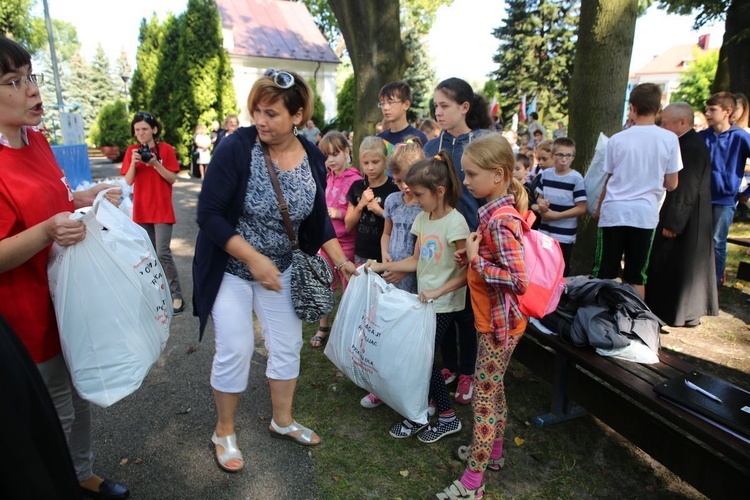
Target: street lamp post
{"x":126,"y":79}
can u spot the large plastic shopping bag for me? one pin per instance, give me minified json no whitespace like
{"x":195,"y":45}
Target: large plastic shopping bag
{"x":383,"y":339}
{"x":112,"y":304}
{"x":595,"y":176}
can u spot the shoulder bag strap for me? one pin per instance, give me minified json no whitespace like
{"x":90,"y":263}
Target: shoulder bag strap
{"x":283,"y":207}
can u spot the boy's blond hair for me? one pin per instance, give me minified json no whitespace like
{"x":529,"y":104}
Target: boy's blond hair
{"x":404,"y":155}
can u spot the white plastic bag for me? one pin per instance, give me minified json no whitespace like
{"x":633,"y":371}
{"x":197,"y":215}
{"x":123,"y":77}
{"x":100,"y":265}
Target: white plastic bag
{"x":112,"y":304}
{"x":383,"y":339}
{"x":595,"y":175}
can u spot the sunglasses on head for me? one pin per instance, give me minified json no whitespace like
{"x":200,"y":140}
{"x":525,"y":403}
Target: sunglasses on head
{"x":142,"y":115}
{"x":282,"y":79}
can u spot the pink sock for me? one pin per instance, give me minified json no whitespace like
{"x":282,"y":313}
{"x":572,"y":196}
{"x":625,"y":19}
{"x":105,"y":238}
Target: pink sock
{"x":471,"y":480}
{"x":497,"y":449}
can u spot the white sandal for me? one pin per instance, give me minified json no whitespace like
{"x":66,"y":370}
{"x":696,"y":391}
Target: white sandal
{"x":229,"y":443}
{"x":304,"y":439}
{"x":457,"y":491}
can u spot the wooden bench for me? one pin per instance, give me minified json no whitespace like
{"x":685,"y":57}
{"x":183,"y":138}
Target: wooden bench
{"x":620,"y":394}
{"x":744,"y":242}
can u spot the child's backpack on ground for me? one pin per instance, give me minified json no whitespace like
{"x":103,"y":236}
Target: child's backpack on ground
{"x":544,"y":267}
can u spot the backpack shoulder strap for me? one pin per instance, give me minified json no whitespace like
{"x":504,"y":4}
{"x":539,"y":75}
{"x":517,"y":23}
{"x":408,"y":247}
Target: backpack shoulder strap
{"x":507,"y":210}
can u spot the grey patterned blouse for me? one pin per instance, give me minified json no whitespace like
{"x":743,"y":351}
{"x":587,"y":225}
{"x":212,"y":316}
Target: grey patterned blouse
{"x":261,"y":223}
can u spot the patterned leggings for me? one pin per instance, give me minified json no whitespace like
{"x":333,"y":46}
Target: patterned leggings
{"x":488,"y":403}
{"x":438,"y":391}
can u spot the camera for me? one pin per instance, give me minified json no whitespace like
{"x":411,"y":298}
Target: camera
{"x":145,"y":153}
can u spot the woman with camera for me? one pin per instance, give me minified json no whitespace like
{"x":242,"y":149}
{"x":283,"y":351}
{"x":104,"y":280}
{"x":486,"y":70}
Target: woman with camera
{"x":151,"y":168}
{"x":243,"y":254}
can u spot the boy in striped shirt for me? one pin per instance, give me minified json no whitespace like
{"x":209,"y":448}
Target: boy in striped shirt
{"x":562,"y":197}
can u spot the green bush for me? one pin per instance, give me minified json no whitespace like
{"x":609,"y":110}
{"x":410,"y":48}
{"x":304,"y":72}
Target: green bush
{"x":112,"y":127}
{"x":319,"y":109}
{"x":345,"y":105}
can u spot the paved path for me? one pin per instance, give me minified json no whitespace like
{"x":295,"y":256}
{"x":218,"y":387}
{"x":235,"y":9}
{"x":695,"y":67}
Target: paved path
{"x":157,"y":440}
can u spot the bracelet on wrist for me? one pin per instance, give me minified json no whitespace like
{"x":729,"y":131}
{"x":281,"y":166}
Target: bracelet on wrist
{"x":341,"y":264}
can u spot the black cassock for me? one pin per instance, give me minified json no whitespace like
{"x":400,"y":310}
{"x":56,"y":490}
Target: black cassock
{"x":681,"y":285}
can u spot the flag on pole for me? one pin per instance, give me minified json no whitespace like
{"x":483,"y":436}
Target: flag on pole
{"x":522,"y":111}
{"x":532,"y":106}
{"x":494,"y":107}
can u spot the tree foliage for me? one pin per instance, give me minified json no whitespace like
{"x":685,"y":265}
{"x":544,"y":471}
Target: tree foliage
{"x":345,"y":105}
{"x":707,"y":10}
{"x":733,"y":69}
{"x":16,"y":23}
{"x":78,"y":90}
{"x":696,"y":81}
{"x":319,"y":109}
{"x":150,"y":36}
{"x":183,"y":73}
{"x":535,"y":57}
{"x":112,"y":127}
{"x":102,"y":79}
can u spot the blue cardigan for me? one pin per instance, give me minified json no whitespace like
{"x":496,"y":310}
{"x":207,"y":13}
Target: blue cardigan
{"x":220,"y":205}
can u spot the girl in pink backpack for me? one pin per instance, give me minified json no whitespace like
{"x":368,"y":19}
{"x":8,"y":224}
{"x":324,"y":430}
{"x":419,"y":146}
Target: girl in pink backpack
{"x":496,"y":276}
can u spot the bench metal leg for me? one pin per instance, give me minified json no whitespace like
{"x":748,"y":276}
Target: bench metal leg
{"x":563,"y":407}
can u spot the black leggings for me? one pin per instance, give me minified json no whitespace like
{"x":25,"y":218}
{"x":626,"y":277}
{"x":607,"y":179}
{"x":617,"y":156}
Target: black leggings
{"x":438,"y":391}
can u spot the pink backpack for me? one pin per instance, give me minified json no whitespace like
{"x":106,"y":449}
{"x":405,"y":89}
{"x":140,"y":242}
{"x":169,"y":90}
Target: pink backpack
{"x":544,"y":267}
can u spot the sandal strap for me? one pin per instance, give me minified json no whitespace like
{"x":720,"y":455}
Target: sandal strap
{"x":229,"y":443}
{"x":324,"y":329}
{"x":457,"y":491}
{"x":294,"y":426}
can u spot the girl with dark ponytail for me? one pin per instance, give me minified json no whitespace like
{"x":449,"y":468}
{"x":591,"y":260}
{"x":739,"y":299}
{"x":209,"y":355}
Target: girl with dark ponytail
{"x":441,"y":231}
{"x":463,"y":116}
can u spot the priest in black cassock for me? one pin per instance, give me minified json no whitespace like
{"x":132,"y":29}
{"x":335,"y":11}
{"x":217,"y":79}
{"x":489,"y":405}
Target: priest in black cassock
{"x":681,"y":284}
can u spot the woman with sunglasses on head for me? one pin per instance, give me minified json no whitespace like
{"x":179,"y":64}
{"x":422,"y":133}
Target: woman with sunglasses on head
{"x":35,"y":203}
{"x":243,"y":254}
{"x":463,"y":116}
{"x":151,"y":168}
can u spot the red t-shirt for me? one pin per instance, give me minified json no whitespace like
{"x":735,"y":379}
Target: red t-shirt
{"x":152,"y":195}
{"x":33,"y":188}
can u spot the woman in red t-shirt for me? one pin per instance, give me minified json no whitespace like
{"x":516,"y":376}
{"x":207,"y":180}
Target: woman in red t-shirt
{"x":152,"y":175}
{"x":35,"y":202}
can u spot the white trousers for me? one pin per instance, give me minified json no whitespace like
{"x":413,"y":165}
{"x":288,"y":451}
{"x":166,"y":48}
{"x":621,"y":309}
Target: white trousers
{"x":233,"y":326}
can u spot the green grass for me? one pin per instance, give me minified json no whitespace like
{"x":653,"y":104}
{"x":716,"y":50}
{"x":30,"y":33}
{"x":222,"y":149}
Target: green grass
{"x":736,"y":254}
{"x":579,"y":458}
{"x":359,"y":459}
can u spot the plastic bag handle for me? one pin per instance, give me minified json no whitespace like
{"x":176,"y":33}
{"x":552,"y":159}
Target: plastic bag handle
{"x":106,"y":213}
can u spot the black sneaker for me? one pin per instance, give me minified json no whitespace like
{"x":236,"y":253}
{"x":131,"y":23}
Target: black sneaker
{"x":442,"y":429}
{"x":406,"y":428}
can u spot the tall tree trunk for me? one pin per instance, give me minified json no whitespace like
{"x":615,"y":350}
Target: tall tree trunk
{"x":737,"y":41}
{"x":372,"y":31}
{"x":597,"y":93}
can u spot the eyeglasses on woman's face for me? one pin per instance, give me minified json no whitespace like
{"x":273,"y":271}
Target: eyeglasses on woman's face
{"x":22,"y":82}
{"x":282,"y":79}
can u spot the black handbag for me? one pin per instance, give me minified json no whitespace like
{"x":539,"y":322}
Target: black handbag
{"x":312,"y":295}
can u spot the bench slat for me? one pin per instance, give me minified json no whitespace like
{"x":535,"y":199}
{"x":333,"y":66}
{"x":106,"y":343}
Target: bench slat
{"x":633,"y":383}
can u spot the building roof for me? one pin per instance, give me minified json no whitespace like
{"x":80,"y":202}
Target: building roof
{"x":672,"y":61}
{"x":278,"y":29}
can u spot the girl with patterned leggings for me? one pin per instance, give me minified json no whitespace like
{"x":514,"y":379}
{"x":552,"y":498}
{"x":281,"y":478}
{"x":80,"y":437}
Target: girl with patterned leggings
{"x":441,"y":231}
{"x":497,"y":275}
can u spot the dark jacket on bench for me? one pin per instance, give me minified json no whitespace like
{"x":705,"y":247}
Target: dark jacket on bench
{"x":610,"y":314}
